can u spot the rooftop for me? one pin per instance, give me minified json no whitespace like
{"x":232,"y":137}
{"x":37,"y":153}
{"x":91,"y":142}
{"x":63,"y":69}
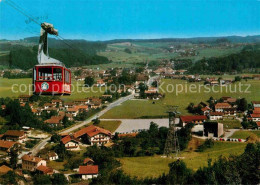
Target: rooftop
{"x":84,"y":170}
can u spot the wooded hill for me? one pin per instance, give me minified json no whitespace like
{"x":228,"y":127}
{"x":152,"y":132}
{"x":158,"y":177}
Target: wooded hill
{"x":246,"y":59}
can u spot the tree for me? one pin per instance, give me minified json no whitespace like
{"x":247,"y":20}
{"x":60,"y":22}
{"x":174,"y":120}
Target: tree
{"x":59,"y":179}
{"x":242,"y":104}
{"x":179,"y":173}
{"x":14,"y":156}
{"x":55,"y":138}
{"x":41,"y":179}
{"x":96,"y":121}
{"x":237,"y":78}
{"x":89,"y":81}
{"x":127,"y":50}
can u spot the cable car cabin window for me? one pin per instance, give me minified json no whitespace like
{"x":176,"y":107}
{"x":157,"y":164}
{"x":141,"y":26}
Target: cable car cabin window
{"x":57,"y":74}
{"x":44,"y":73}
{"x":67,"y":76}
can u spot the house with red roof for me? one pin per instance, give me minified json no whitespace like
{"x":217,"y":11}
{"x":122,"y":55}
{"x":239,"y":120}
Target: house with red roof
{"x":30,"y":162}
{"x":70,"y":142}
{"x":196,"y":119}
{"x":206,"y":110}
{"x":255,"y":117}
{"x":45,"y":170}
{"x":6,"y":145}
{"x":88,"y":172}
{"x":94,"y":135}
{"x":88,"y":161}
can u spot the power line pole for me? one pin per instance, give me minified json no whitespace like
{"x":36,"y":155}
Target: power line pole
{"x":172,"y":142}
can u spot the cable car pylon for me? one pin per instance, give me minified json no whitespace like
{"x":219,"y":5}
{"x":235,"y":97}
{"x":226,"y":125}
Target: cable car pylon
{"x":172,"y":142}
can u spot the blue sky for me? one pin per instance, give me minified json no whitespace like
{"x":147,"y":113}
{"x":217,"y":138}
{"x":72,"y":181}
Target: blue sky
{"x":116,"y":19}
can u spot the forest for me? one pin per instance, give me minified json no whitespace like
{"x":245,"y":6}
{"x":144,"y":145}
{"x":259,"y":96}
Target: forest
{"x":247,"y":58}
{"x":76,"y":53}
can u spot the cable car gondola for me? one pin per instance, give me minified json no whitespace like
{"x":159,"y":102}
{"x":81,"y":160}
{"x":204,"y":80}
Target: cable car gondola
{"x":50,"y":76}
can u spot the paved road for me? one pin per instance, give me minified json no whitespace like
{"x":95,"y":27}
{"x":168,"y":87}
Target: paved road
{"x":42,"y":144}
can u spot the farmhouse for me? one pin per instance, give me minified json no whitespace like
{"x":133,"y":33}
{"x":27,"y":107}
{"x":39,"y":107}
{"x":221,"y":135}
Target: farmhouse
{"x":219,"y":107}
{"x":44,"y":170}
{"x":70,"y":143}
{"x":255,"y":117}
{"x":197,"y":119}
{"x":206,"y":110}
{"x":88,"y":172}
{"x":6,"y":145}
{"x":4,"y":169}
{"x":24,"y":98}
{"x":54,"y":121}
{"x":29,"y":162}
{"x":57,"y":102}
{"x":15,"y":135}
{"x":84,"y":101}
{"x":216,"y":115}
{"x":94,"y":135}
{"x":256,"y":104}
{"x":52,"y":156}
{"x":88,"y":161}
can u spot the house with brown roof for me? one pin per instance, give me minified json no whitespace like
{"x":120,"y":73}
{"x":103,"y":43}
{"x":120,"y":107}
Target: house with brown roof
{"x":196,"y":119}
{"x":88,"y":161}
{"x":100,"y":83}
{"x":94,"y":135}
{"x":4,"y":169}
{"x":70,"y":143}
{"x":73,"y":111}
{"x":6,"y":145}
{"x":24,"y":98}
{"x":95,"y":103}
{"x":48,"y":106}
{"x":206,"y":110}
{"x":54,"y":121}
{"x":44,"y":170}
{"x":52,"y":156}
{"x":216,"y":115}
{"x":57,"y":102}
{"x":83,"y":101}
{"x":15,"y":135}
{"x":69,"y":105}
{"x":88,"y":172}
{"x":220,"y":107}
{"x":30,"y":162}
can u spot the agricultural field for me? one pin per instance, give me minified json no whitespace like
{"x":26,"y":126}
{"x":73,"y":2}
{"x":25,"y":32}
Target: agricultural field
{"x":146,"y":108}
{"x":142,"y":166}
{"x":243,"y":134}
{"x":8,"y":89}
{"x":149,"y":51}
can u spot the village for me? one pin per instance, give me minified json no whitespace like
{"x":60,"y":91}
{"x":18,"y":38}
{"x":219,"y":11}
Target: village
{"x":58,"y":116}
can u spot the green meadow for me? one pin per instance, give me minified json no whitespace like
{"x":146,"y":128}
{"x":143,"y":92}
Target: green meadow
{"x":15,"y":87}
{"x":180,"y":93}
{"x":150,"y":166}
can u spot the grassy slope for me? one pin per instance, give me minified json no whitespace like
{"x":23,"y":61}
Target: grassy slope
{"x":243,"y":134}
{"x":143,"y":166}
{"x":109,"y":125}
{"x":82,"y":92}
{"x":146,"y":108}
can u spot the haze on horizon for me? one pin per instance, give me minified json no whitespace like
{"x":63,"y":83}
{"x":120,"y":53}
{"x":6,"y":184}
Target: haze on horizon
{"x":132,"y":19}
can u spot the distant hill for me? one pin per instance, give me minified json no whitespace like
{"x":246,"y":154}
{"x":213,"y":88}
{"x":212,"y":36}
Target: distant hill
{"x":231,"y":39}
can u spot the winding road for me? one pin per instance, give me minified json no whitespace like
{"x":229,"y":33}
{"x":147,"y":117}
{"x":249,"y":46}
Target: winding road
{"x":42,"y":143}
